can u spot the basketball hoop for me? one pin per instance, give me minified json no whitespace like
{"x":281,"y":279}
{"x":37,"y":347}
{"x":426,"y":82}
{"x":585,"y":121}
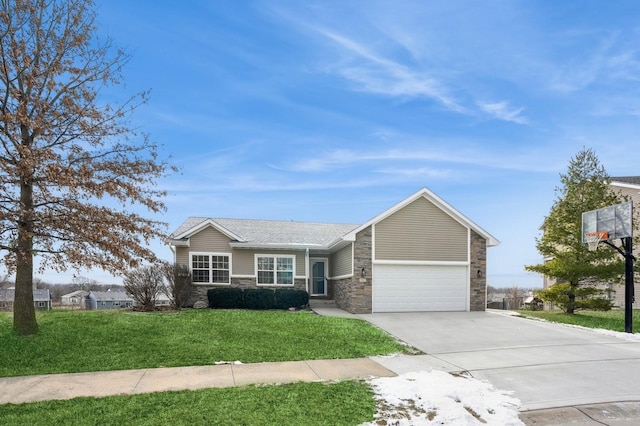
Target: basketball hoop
{"x":593,"y":239}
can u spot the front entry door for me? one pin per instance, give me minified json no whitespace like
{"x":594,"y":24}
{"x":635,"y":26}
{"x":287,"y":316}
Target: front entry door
{"x":318,"y":277}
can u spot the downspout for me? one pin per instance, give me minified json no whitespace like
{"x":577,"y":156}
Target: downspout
{"x":306,"y":269}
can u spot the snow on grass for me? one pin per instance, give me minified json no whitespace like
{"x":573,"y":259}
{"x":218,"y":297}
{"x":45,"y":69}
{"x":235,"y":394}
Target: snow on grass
{"x":436,"y":397}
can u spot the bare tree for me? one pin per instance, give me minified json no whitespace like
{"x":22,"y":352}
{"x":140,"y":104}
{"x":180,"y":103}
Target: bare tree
{"x":515,"y":296}
{"x":144,"y":284}
{"x":178,"y":284}
{"x":5,"y":281}
{"x":86,"y":284}
{"x":71,"y":166}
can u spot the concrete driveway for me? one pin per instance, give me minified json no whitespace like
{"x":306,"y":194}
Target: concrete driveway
{"x":546,"y":365}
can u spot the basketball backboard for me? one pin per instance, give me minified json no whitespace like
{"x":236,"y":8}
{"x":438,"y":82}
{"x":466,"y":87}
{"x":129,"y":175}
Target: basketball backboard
{"x":615,"y":221}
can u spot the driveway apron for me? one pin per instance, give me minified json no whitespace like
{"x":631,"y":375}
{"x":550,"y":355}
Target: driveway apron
{"x":544,"y":364}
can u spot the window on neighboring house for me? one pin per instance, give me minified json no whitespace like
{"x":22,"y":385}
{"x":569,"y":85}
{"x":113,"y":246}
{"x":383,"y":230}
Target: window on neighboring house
{"x":274,"y":270}
{"x":210,"y":268}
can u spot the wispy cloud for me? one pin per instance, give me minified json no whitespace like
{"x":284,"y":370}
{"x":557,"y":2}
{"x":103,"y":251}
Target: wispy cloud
{"x":503,"y":111}
{"x":610,"y":59}
{"x":406,"y":158}
{"x":377,"y":74}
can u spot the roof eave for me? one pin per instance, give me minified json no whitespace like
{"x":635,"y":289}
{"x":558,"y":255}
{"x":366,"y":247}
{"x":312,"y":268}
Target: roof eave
{"x":276,"y":246}
{"x":185,"y":242}
{"x":624,"y":184}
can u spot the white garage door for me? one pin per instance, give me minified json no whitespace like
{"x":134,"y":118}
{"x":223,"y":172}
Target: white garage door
{"x":416,"y":288}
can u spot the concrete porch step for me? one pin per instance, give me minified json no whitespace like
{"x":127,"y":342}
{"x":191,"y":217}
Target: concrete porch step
{"x":322,"y":303}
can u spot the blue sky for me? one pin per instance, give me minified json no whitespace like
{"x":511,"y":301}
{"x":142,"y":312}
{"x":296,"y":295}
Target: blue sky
{"x":334,"y":111}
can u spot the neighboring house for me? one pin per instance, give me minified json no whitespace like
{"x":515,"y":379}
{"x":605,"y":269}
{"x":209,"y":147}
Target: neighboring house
{"x":162,"y":300}
{"x":75,"y":298}
{"x":108,"y":300}
{"x":627,"y":186}
{"x":41,"y":299}
{"x":419,"y":255}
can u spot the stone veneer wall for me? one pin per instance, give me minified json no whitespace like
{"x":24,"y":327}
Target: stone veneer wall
{"x":200,"y":291}
{"x":354,"y":294}
{"x":478,"y":288}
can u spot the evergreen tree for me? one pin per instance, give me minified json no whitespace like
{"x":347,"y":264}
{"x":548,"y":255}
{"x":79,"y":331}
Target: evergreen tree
{"x":577,"y":270}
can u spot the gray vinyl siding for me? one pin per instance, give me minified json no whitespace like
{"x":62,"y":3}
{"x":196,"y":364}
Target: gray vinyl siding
{"x":182,"y":255}
{"x":341,"y":262}
{"x":209,"y":240}
{"x":421,"y":231}
{"x":244,"y":260}
{"x":631,"y":193}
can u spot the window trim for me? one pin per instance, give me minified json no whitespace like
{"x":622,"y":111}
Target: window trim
{"x":210,"y":254}
{"x":275,"y":274}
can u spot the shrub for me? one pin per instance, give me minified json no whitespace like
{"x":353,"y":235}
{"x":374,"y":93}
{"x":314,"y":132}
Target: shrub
{"x":178,"y":287}
{"x":225,"y":298}
{"x":143,"y":285}
{"x":259,"y":298}
{"x":289,"y":298}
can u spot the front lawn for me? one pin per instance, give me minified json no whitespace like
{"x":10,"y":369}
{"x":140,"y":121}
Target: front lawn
{"x":80,"y":341}
{"x":610,"y":320}
{"x":343,"y":403}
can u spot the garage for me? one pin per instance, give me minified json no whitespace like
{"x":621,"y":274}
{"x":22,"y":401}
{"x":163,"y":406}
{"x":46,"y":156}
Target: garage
{"x":420,"y":288}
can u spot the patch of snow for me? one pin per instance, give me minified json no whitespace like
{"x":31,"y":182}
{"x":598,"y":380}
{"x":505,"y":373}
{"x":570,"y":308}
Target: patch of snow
{"x":227,"y":362}
{"x":436,"y":397}
{"x":629,"y":337}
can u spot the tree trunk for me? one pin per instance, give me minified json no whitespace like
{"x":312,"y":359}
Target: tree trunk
{"x":24,"y":313}
{"x":571,"y":306}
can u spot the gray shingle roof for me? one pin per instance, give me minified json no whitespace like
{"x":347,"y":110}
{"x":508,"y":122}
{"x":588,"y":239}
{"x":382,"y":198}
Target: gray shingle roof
{"x":633,"y":180}
{"x":272,"y":232}
{"x":39,"y":295}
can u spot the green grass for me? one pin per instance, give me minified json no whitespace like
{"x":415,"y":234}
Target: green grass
{"x":343,"y":403}
{"x":80,"y":341}
{"x":610,"y":320}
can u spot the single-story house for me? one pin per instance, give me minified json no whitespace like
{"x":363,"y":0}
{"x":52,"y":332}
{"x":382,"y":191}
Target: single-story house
{"x":41,"y":299}
{"x":108,"y":300}
{"x":162,"y":300}
{"x":419,"y":255}
{"x":75,"y":298}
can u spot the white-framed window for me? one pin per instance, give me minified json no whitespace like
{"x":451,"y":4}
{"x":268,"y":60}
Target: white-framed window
{"x":275,"y":269}
{"x":211,"y":268}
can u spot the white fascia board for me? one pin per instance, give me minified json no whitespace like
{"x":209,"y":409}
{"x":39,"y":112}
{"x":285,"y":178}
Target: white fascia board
{"x":624,"y":185}
{"x":178,"y":243}
{"x":209,"y":222}
{"x":267,"y":246}
{"x":342,"y":242}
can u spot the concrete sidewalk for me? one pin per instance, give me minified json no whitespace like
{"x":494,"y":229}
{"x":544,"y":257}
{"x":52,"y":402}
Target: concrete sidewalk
{"x":17,"y":390}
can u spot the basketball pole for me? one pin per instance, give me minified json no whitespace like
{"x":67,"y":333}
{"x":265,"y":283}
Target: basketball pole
{"x":627,"y":244}
{"x":628,"y":284}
